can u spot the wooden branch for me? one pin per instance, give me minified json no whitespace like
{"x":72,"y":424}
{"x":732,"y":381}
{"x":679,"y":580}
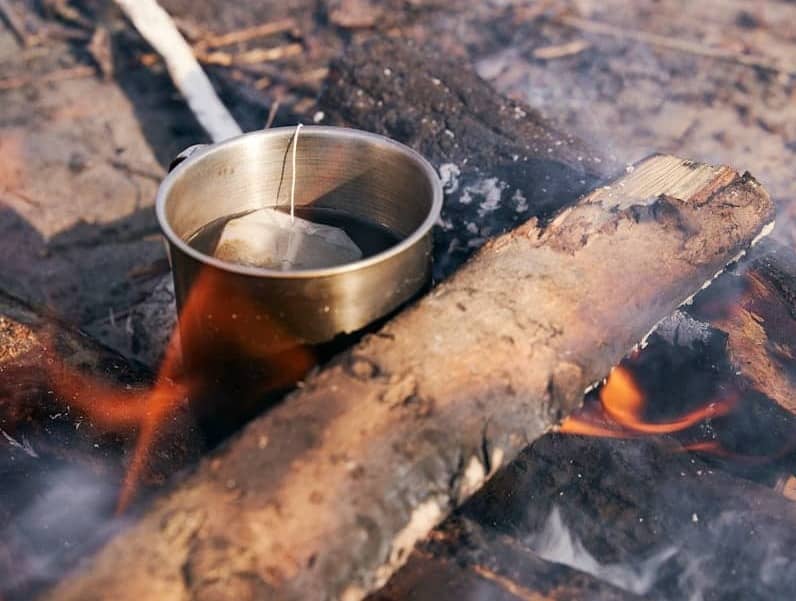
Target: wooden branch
{"x":324,"y":497}
{"x":157,"y":28}
{"x":248,"y":33}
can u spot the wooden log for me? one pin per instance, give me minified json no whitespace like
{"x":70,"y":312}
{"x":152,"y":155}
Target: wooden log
{"x":467,"y":561}
{"x":758,"y":314}
{"x":325,"y":496}
{"x":643,"y":514}
{"x":501,"y":163}
{"x":736,"y":338}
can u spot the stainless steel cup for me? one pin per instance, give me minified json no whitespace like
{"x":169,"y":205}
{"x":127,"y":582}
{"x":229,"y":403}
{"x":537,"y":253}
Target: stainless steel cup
{"x":265,"y":311}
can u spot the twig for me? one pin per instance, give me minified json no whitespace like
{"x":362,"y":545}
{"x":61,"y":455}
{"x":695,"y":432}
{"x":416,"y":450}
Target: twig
{"x":133,"y":170}
{"x":307,"y":80}
{"x":157,"y":28}
{"x":57,"y":75}
{"x":272,"y":114}
{"x":67,"y":13}
{"x":24,"y":446}
{"x":251,"y":57}
{"x":248,"y":33}
{"x":17,"y":26}
{"x":560,"y":50}
{"x":676,"y":44}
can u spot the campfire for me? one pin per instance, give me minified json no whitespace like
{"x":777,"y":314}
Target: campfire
{"x":584,"y":391}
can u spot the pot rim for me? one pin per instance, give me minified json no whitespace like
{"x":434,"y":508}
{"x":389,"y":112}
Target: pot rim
{"x":406,"y":243}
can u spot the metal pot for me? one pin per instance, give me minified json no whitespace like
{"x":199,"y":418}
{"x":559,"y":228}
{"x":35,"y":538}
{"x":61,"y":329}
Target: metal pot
{"x":365,"y":175}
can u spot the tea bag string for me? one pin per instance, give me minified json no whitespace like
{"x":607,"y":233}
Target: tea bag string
{"x":293,"y":176}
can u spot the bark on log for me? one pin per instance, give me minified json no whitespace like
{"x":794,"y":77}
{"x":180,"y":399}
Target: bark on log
{"x":324,"y":497}
{"x":643,"y":513}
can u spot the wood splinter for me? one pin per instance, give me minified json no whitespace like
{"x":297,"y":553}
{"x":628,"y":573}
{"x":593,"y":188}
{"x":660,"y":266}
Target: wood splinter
{"x":325,"y":496}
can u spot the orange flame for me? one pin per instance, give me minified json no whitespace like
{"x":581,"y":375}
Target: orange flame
{"x":118,"y":409}
{"x":622,"y":402}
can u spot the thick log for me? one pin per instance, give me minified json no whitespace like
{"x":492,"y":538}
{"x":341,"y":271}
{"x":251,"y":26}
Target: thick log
{"x":467,"y":561}
{"x":643,"y":515}
{"x":325,"y":496}
{"x":758,"y":314}
{"x":500,"y":161}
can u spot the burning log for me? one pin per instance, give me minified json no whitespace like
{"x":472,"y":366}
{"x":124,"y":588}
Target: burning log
{"x":325,"y":495}
{"x":758,"y":314}
{"x":467,"y":561}
{"x":716,"y":374}
{"x":644,"y":516}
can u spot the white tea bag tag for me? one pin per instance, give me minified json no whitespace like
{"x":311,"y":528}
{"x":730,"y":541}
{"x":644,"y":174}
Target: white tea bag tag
{"x":274,"y":240}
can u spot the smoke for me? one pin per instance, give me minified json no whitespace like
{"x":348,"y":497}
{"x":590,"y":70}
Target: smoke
{"x":61,"y":520}
{"x":557,"y":544}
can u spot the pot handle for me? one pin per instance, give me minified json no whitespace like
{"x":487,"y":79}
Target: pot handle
{"x":185,"y":154}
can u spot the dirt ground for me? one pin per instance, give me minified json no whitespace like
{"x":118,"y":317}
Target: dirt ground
{"x":86,"y":130}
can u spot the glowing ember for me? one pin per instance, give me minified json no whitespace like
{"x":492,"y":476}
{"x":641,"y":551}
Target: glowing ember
{"x":622,"y":408}
{"x":145,"y":411}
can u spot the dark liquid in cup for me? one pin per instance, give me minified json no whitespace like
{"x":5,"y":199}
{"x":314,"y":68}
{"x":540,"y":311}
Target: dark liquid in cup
{"x":371,"y":238}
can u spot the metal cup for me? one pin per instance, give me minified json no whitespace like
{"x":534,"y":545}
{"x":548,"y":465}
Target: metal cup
{"x":232,"y":308}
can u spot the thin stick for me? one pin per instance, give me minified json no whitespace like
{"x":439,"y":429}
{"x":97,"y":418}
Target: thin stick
{"x":17,"y":27}
{"x":57,"y":75}
{"x":293,"y":175}
{"x":250,"y":57}
{"x":560,"y":50}
{"x":249,"y":33}
{"x":157,"y":28}
{"x":677,"y":44}
{"x":272,"y":114}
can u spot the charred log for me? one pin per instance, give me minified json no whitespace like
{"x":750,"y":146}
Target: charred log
{"x":644,"y":515}
{"x":500,"y":161}
{"x":733,"y":346}
{"x":466,"y":561}
{"x":325,"y":496}
{"x":758,"y":314}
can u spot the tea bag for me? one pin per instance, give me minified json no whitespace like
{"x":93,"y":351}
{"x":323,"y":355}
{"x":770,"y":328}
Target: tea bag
{"x":275,"y":240}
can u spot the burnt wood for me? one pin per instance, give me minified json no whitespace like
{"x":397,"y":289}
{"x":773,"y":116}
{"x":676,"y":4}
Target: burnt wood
{"x":759,"y":318}
{"x":648,"y":514}
{"x":500,"y":161}
{"x":469,"y":561}
{"x":325,"y":496}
